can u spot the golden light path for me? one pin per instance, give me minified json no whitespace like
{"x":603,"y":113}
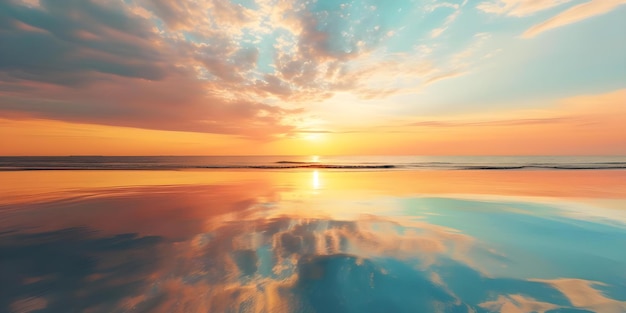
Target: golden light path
{"x":316,"y":180}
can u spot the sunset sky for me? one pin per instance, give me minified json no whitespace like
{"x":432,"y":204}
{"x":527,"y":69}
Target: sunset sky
{"x":220,"y":77}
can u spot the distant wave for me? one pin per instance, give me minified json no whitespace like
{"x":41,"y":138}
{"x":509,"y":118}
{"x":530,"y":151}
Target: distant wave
{"x":182,"y":167}
{"x":545,"y":166}
{"x":312,"y":166}
{"x":279,"y":163}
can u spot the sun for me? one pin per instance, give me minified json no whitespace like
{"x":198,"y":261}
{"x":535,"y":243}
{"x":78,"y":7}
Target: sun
{"x":314,"y":136}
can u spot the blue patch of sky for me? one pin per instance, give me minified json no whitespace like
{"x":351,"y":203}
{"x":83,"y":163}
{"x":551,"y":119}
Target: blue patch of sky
{"x":510,"y":25}
{"x":265,"y":48}
{"x":415,"y":27}
{"x":566,"y":61}
{"x":580,"y":58}
{"x":411,"y":21}
{"x":160,"y":25}
{"x":192,"y":37}
{"x":249,"y":4}
{"x":267,"y":53}
{"x":328,"y":5}
{"x":459,"y":34}
{"x":349,"y":22}
{"x":391,"y":12}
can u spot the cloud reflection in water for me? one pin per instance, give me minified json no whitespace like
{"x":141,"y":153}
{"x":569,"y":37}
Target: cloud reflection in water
{"x":230,"y":248}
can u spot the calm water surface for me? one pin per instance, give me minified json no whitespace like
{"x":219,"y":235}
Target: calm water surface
{"x":313,"y":240}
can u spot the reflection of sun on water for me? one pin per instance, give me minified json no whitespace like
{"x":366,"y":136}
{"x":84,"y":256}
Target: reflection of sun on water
{"x":316,"y":179}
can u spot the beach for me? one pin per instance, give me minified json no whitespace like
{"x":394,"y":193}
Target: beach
{"x":312,"y":156}
{"x":313,"y":240}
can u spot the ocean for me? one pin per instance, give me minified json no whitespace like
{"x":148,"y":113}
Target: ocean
{"x":312,"y":234}
{"x":304,"y":162}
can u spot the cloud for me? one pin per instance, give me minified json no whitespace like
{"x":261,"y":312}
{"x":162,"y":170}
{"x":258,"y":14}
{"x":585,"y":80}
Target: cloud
{"x":104,"y":62}
{"x":67,"y":42}
{"x":380,"y":76}
{"x":448,"y":21}
{"x":209,"y":66}
{"x":177,"y":103}
{"x":518,"y":7}
{"x":434,"y":6}
{"x":574,"y":14}
{"x":574,"y":113}
{"x":197,"y":15}
{"x":501,"y":122}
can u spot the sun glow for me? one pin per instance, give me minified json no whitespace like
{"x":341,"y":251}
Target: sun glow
{"x":314,"y":136}
{"x":316,"y":180}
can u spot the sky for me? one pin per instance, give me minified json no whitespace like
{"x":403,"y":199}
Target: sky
{"x":324,"y":77}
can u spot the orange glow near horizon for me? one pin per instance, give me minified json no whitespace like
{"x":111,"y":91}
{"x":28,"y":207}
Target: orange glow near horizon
{"x":576,"y":127}
{"x":275,"y":77}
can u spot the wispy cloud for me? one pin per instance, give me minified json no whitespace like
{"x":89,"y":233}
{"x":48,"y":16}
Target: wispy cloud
{"x":518,"y":7}
{"x":501,"y":122}
{"x":449,"y":20}
{"x":576,"y":111}
{"x":573,"y":15}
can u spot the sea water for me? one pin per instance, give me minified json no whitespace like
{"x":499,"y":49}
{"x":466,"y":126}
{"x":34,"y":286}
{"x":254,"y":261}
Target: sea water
{"x":323,"y":234}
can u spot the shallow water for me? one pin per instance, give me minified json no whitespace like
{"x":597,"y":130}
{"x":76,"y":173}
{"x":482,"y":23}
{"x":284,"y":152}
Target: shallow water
{"x":313,"y":241}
